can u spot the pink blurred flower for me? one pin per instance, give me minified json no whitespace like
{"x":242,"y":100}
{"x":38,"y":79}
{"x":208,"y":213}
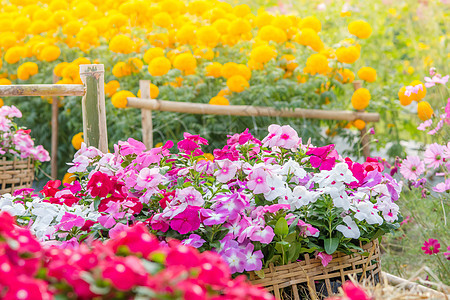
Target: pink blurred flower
{"x":187,"y":221}
{"x":412,"y":167}
{"x":447,"y":254}
{"x":425,"y":125}
{"x":354,"y":292}
{"x":442,"y":186}
{"x":131,"y":146}
{"x":325,"y":258}
{"x":436,"y":79}
{"x":431,"y":246}
{"x":433,"y":156}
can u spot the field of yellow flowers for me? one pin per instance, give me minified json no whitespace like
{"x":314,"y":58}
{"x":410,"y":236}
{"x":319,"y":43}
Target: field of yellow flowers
{"x":287,"y":54}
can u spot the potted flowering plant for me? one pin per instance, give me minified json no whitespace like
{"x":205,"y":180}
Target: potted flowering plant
{"x":18,"y":154}
{"x":153,"y":270}
{"x":259,"y":204}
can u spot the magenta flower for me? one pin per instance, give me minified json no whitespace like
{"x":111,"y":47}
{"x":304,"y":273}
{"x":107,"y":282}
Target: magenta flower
{"x":433,"y":156}
{"x":257,"y":181}
{"x":253,"y":261}
{"x":131,"y":146}
{"x":187,"y":221}
{"x":281,"y":136}
{"x":226,"y":172}
{"x":412,"y":167}
{"x":431,"y":246}
{"x":447,"y":112}
{"x":194,"y":240}
{"x":447,"y":254}
{"x":323,"y":158}
{"x":212,"y":217}
{"x":354,"y":292}
{"x":68,"y":221}
{"x":325,"y":258}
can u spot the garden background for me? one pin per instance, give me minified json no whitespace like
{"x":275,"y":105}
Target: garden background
{"x":178,"y":45}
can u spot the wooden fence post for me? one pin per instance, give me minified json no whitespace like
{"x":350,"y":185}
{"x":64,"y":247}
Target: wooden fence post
{"x":146,"y":115}
{"x":93,"y":106}
{"x":365,"y":141}
{"x":54,"y":151}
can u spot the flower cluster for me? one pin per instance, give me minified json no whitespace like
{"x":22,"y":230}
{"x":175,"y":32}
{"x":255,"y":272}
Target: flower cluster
{"x":254,"y":202}
{"x":17,"y":142}
{"x":133,"y":265}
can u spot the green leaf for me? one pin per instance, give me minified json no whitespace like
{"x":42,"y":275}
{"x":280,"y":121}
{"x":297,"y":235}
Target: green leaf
{"x":281,"y":227}
{"x":97,"y":201}
{"x":293,"y":226}
{"x":260,"y":274}
{"x":331,"y":245}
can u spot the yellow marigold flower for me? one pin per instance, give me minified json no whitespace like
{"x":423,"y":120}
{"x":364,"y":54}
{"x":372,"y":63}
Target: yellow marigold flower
{"x":424,"y":110}
{"x":186,"y":34}
{"x":206,"y":53}
{"x":346,"y":13}
{"x":59,"y":68}
{"x":283,"y":22}
{"x":14,"y":54}
{"x":309,"y":37}
{"x":263,"y":54}
{"x":121,"y":69}
{"x":404,"y":100}
{"x":360,"y":29}
{"x":154,"y":91}
{"x":237,"y":83}
{"x":368,"y":74}
{"x":421,"y":93}
{"x":135,"y":64}
{"x":271,"y":33}
{"x":241,"y":10}
{"x":208,"y":36}
{"x":38,"y":27}
{"x":198,"y":7}
{"x":163,"y":19}
{"x":77,"y":140}
{"x":72,"y":28}
{"x":345,"y":76}
{"x":119,"y":99}
{"x":69,"y":177}
{"x":111,"y":87}
{"x":26,"y":70}
{"x":317,"y":64}
{"x":359,"y":124}
{"x":159,"y":66}
{"x":122,"y":44}
{"x":253,"y":65}
{"x":239,"y":27}
{"x":311,"y":22}
{"x":185,"y":62}
{"x":290,"y":64}
{"x":153,"y":53}
{"x":209,"y":156}
{"x":361,"y":98}
{"x":71,"y":71}
{"x":245,"y":72}
{"x":214,"y":70}
{"x":5,"y":81}
{"x":219,"y":100}
{"x":82,"y":61}
{"x":50,"y":53}
{"x":21,"y":24}
{"x":263,"y":19}
{"x":230,"y":69}
{"x":1,"y":102}
{"x":221,"y":25}
{"x":302,"y":78}
{"x":88,"y":34}
{"x":224,"y":92}
{"x":348,"y":55}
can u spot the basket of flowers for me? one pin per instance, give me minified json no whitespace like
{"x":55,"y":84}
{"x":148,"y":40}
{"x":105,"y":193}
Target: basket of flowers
{"x":18,"y":154}
{"x":295,"y":218}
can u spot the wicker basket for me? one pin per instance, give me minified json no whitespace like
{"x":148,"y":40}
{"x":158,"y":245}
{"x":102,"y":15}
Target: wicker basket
{"x":15,"y":174}
{"x":309,"y":279}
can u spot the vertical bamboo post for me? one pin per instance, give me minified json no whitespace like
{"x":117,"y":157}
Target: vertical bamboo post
{"x":54,"y":152}
{"x":93,"y":106}
{"x":363,"y":134}
{"x":146,"y":115}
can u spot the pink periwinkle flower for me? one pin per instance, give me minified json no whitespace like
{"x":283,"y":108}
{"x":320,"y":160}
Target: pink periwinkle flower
{"x":324,"y":258}
{"x":187,"y":221}
{"x":431,"y":246}
{"x":148,"y":178}
{"x":257,"y":181}
{"x":253,"y":261}
{"x":281,"y":136}
{"x":131,"y":146}
{"x":10,"y":112}
{"x":190,"y":196}
{"x":194,"y":240}
{"x":323,"y":158}
{"x":212,"y":217}
{"x":227,"y":170}
{"x":68,"y":221}
{"x":412,"y":167}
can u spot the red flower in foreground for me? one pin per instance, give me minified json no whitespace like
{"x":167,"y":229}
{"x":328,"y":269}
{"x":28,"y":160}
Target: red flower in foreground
{"x":354,"y":292}
{"x":431,"y":246}
{"x":100,"y":185}
{"x":51,"y":188}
